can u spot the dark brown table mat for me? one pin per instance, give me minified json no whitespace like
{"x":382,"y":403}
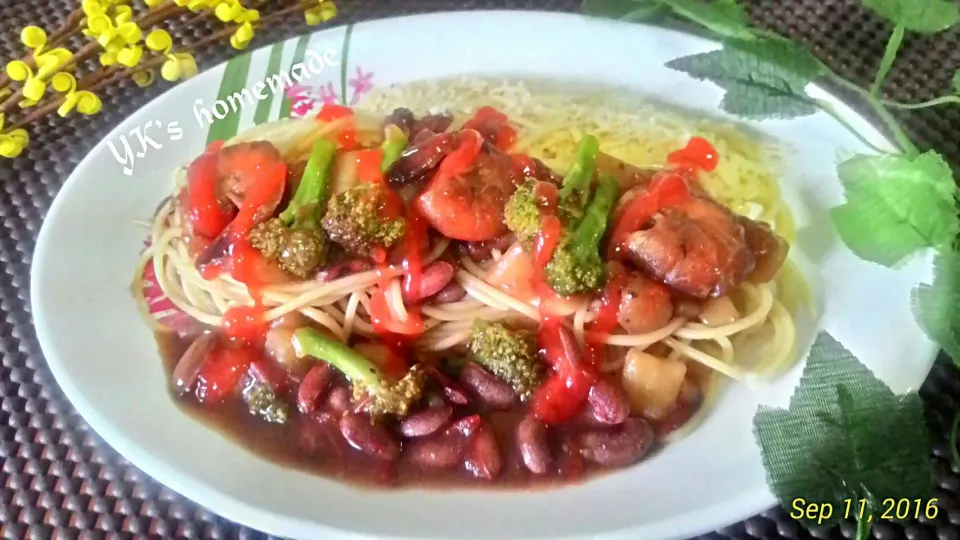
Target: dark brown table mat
{"x":60,"y":480}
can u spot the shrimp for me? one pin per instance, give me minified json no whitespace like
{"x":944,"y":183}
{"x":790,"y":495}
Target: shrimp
{"x":469,"y":206}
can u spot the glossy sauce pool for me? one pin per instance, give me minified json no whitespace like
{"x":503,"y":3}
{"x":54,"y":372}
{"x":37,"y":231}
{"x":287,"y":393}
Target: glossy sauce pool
{"x":306,"y":444}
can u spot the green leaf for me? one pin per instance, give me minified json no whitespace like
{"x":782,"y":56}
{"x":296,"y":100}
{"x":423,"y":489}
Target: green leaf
{"x":956,"y":82}
{"x":725,"y":17}
{"x":770,"y":102}
{"x":896,"y":205}
{"x":763,"y":78}
{"x":935,"y":304}
{"x":625,"y":10}
{"x":924,"y":16}
{"x":844,"y":435}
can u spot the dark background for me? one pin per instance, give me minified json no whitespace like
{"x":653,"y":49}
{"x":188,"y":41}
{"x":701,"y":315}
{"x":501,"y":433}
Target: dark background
{"x":58,"y":478}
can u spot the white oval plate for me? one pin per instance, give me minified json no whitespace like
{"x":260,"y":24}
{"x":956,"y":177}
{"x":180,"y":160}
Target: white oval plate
{"x":105,"y":358}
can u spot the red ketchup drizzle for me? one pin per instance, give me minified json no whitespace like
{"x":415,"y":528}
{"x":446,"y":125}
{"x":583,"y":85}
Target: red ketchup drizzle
{"x":246,"y":264}
{"x":524,"y":164}
{"x":205,"y":214}
{"x":697,"y":154}
{"x":665,"y":190}
{"x":460,"y":160}
{"x":222,"y":371}
{"x":494,"y":125}
{"x":413,"y":241}
{"x":347,"y":136}
{"x":606,"y":319}
{"x":566,"y":389}
{"x":368,"y":165}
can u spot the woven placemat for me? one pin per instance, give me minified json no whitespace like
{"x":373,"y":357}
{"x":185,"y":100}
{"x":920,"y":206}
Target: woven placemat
{"x":60,"y":480}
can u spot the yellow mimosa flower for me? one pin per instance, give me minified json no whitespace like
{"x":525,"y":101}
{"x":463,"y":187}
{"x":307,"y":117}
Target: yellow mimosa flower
{"x":12,"y":142}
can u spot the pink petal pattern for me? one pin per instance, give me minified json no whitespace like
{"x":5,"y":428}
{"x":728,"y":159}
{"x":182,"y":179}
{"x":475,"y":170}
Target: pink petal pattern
{"x":327,"y":94}
{"x":361,"y":84}
{"x":161,"y":307}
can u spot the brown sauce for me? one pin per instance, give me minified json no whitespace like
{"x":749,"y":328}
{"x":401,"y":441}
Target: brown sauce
{"x":304,"y":443}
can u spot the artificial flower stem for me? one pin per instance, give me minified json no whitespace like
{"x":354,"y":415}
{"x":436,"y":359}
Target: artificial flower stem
{"x":889,"y":55}
{"x":942,"y":100}
{"x":905,"y":144}
{"x":828,"y":108}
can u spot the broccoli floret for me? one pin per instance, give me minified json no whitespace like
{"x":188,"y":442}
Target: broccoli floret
{"x":522,"y":214}
{"x":393,"y":398}
{"x":575,"y":189}
{"x":262,"y":401}
{"x":295,"y":239}
{"x":354,"y":219}
{"x":509,"y":355}
{"x":576,"y":266}
{"x":298,"y":251}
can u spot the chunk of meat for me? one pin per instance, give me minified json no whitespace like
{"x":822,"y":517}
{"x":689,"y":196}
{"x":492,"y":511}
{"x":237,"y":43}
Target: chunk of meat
{"x":696,"y":248}
{"x":238,"y":167}
{"x":645,"y":305}
{"x":769,"y":249}
{"x":419,"y":160}
{"x":432,"y":123}
{"x":469,"y":206}
{"x":401,"y":117}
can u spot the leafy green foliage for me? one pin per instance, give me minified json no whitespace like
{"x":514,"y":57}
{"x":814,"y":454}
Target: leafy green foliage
{"x":725,"y":17}
{"x":896,"y":205}
{"x":625,"y":10}
{"x":956,"y":82}
{"x":935,"y":304}
{"x":924,"y":16}
{"x":845,"y":435}
{"x":763,"y":78}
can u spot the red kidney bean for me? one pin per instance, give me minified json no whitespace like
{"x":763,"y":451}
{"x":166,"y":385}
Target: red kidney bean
{"x":319,"y":433}
{"x":433,"y":279}
{"x":371,"y":439}
{"x":483,"y":455}
{"x":425,"y":422}
{"x":187,"y":371}
{"x":486,"y":387}
{"x":416,"y":162}
{"x":466,"y":426}
{"x":483,"y":251}
{"x":534,"y":447}
{"x":455,"y":394}
{"x":434,"y":452}
{"x":453,"y":292}
{"x":343,"y":269}
{"x":432,"y":123}
{"x":618,"y":446}
{"x":608,"y":402}
{"x":267,"y":372}
{"x":443,"y":450}
{"x":338,"y":400}
{"x":313,"y":386}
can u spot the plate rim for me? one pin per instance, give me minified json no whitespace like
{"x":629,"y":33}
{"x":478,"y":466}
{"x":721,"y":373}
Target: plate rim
{"x":712,"y":518}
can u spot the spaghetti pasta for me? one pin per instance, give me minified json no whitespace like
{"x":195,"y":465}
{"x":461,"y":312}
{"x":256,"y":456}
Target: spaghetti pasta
{"x":547,"y":128}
